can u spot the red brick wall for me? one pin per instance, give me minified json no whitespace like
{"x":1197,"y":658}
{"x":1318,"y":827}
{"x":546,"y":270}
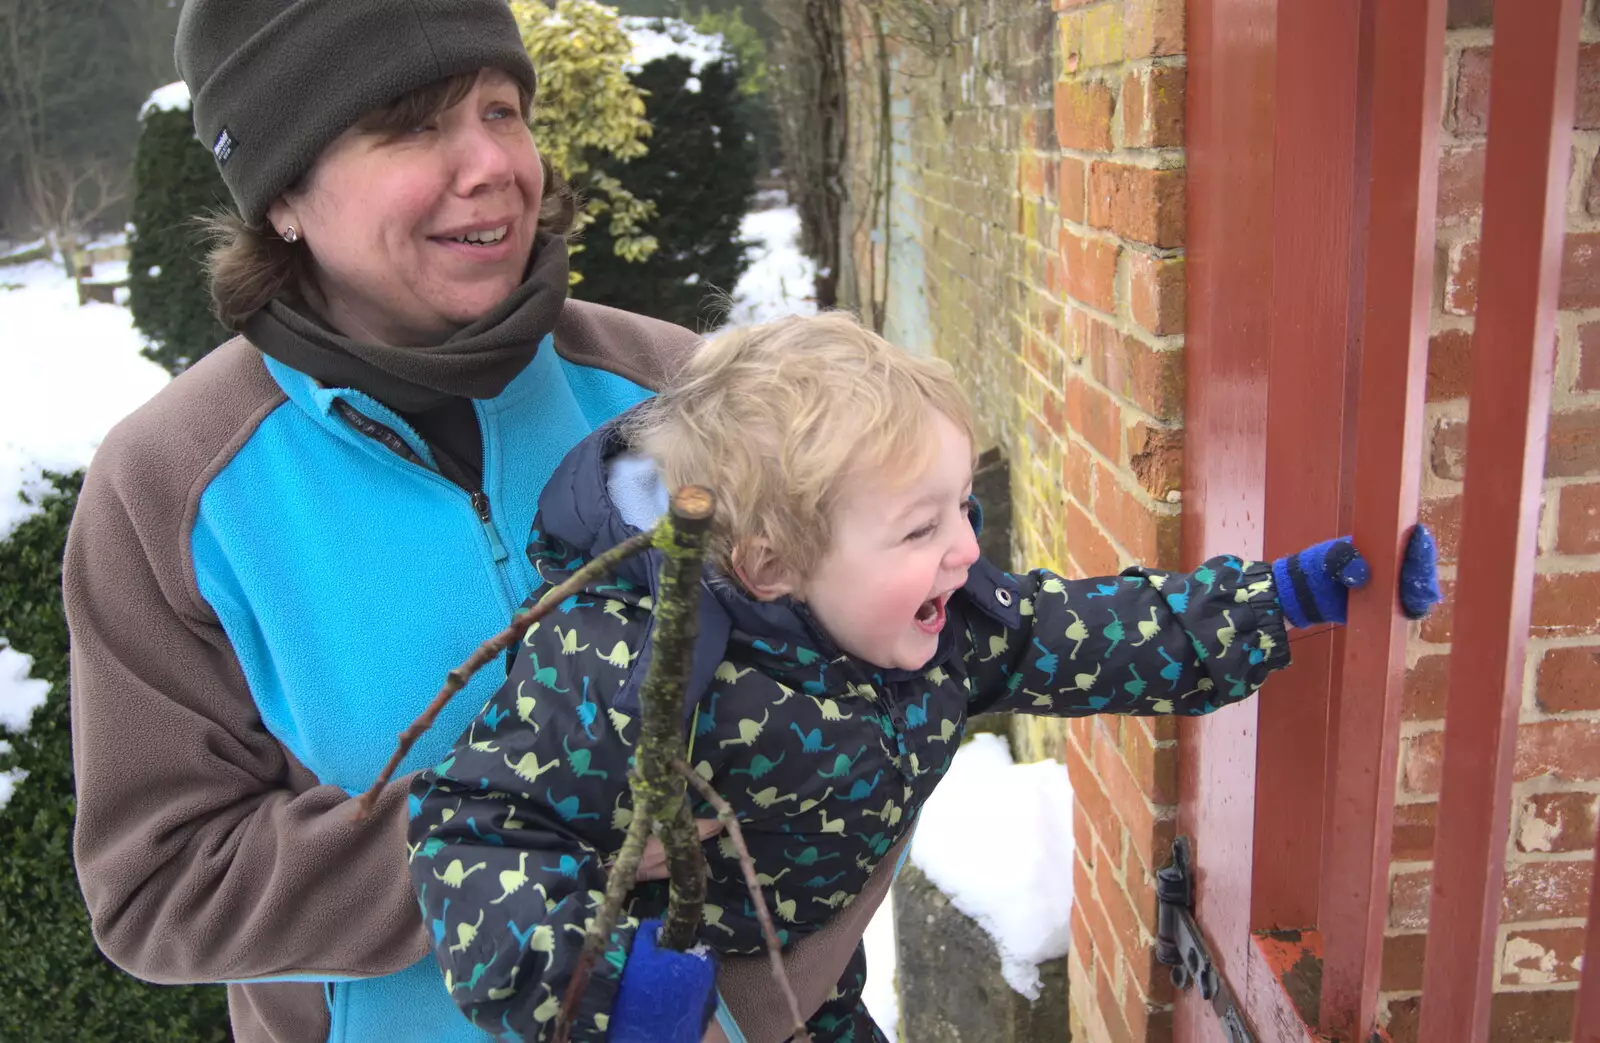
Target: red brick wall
{"x":1557,"y":770}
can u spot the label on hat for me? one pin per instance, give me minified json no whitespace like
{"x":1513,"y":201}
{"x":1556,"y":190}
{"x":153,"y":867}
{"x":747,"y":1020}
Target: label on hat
{"x":223,"y":149}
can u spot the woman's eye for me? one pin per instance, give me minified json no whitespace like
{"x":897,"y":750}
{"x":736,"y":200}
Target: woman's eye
{"x":503,"y":112}
{"x":419,"y":128}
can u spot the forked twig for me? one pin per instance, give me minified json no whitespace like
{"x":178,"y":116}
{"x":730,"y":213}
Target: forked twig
{"x":618,"y":884}
{"x":487,"y":652}
{"x":774,"y":950}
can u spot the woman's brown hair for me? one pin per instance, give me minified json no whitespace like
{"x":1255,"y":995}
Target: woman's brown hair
{"x":249,"y":265}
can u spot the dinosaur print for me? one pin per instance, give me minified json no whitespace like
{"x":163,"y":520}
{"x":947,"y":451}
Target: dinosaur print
{"x":526,"y":811}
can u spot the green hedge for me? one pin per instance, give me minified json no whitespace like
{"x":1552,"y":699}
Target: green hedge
{"x":701,"y":172}
{"x":54,"y":983}
{"x":175,"y":182}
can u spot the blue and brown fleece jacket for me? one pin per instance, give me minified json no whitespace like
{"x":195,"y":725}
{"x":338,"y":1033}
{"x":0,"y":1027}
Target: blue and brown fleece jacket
{"x":826,"y":759}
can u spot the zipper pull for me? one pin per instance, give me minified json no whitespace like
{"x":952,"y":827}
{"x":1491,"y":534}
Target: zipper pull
{"x":480,"y":503}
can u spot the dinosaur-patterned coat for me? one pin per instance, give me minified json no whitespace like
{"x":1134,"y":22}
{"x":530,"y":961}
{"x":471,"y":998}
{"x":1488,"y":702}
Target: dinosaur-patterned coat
{"x":825,"y":758}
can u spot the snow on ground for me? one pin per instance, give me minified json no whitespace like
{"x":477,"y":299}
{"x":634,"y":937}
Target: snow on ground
{"x":996,"y":837}
{"x":70,"y":373}
{"x":880,"y":996}
{"x":780,"y":280}
{"x":67,"y":374}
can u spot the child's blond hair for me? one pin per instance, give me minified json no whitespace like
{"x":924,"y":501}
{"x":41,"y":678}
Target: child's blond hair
{"x":777,"y":418}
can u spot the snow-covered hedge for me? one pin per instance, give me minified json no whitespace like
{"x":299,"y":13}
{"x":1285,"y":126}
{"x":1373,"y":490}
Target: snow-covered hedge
{"x":54,"y":983}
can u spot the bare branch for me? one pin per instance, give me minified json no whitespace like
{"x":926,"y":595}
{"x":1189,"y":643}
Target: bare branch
{"x":769,"y":932}
{"x":487,"y":652}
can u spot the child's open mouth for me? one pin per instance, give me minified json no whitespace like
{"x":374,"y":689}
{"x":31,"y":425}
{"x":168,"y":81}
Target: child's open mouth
{"x":930,"y":617}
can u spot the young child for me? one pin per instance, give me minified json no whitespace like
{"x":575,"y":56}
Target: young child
{"x":849,"y":628}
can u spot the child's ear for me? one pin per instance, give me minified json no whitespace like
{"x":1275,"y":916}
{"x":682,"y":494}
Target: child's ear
{"x":761,"y":573}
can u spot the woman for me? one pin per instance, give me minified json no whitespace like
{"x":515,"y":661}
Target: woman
{"x":360,"y":466}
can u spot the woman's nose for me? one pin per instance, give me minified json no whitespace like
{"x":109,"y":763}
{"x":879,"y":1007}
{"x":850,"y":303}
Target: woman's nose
{"x":482,"y":161}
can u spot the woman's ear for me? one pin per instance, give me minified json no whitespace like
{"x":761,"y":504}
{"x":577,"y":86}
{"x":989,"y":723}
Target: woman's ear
{"x":281,"y":216}
{"x":760,"y":572}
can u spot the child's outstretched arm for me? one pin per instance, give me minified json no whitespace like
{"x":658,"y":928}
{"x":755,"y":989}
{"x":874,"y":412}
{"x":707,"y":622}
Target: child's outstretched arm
{"x":1155,"y":642}
{"x":1145,"y":642}
{"x":509,"y":836}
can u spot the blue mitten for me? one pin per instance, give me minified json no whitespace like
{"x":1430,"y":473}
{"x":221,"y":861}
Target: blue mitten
{"x":1313,"y":586}
{"x":1419,"y":574}
{"x":665,"y":996}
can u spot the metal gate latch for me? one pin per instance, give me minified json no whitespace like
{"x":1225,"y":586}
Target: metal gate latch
{"x":1181,"y":947}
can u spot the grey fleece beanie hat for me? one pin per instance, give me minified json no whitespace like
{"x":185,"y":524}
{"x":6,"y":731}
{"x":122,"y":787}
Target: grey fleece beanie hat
{"x":274,"y":81}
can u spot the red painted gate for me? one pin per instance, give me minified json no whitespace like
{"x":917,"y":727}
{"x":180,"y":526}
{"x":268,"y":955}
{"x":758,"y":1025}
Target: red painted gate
{"x":1314,"y":158}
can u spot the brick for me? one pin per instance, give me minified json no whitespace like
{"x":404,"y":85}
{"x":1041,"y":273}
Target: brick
{"x":1563,"y":749}
{"x":1152,"y":107}
{"x":1148,"y":377}
{"x":1461,"y":183}
{"x":1553,"y":822}
{"x":1072,"y":186}
{"x":1149,"y":534}
{"x":1412,"y":837}
{"x":1096,"y":417}
{"x":1573,"y":449}
{"x":1156,"y":292}
{"x":1408,"y":900}
{"x":1087,"y":791}
{"x":1092,"y":38}
{"x":1588,"y":358}
{"x":1543,"y":957}
{"x":1402,"y":962}
{"x":1138,"y":203}
{"x":1077,"y":474}
{"x":1076,"y":339}
{"x":1578,"y":522}
{"x":1109,"y":1005}
{"x":1426,"y":687}
{"x":1569,"y":680}
{"x":1155,"y":768}
{"x":1088,"y":545}
{"x":1469,"y":14}
{"x":1580,"y":274}
{"x":1514,"y":1017}
{"x":1545,"y":891}
{"x":1083,"y":115}
{"x":1155,"y":28}
{"x":1591,"y":189}
{"x":1082,"y":943}
{"x":1586,"y":111}
{"x":1442,"y":515}
{"x":1448,"y":450}
{"x":1119,"y":912}
{"x":1090,"y":269}
{"x":1531,"y":1017}
{"x":1469,"y":108}
{"x":1564,"y":604}
{"x":1449,"y":365}
{"x":1580,"y":271}
{"x":1155,"y":455}
{"x":1461,"y":278}
{"x":1437,"y":628}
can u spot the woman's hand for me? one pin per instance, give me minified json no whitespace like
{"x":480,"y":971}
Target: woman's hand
{"x":653,"y":865}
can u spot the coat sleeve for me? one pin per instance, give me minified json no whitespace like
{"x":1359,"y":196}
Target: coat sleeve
{"x":1145,"y":642}
{"x":204,"y":850}
{"x":510,"y":838}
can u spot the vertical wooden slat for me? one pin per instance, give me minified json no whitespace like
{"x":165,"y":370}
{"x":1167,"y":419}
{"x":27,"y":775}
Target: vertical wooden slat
{"x":1407,"y":70}
{"x":1319,"y":172}
{"x":1586,"y":1022}
{"x":1513,"y":354}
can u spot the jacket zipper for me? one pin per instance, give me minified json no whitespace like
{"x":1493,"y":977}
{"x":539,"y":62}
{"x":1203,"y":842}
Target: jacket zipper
{"x":387,"y":437}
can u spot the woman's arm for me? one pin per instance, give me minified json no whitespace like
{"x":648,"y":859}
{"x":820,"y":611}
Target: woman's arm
{"x":204,"y":850}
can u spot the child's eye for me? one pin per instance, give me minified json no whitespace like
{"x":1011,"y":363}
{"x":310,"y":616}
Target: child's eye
{"x":923,"y":532}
